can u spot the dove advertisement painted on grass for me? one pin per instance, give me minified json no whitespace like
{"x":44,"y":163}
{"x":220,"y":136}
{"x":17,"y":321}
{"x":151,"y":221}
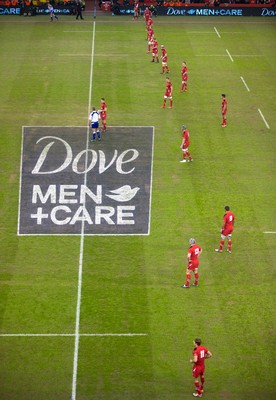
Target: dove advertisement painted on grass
{"x":105,"y":186}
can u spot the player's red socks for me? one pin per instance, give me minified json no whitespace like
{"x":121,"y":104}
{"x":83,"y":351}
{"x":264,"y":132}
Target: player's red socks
{"x":171,"y":103}
{"x":221,"y":244}
{"x":197,"y":386}
{"x":202,"y":383}
{"x":196,"y":279}
{"x":188,"y":279}
{"x":229,"y":245}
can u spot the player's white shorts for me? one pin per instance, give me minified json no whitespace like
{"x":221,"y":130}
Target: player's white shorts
{"x":168,"y":97}
{"x":164,"y":64}
{"x":186,"y":149}
{"x":150,"y":43}
{"x":227,"y":236}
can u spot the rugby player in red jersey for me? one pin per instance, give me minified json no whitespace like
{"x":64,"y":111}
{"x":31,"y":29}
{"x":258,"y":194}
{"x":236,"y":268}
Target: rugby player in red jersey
{"x":184,"y":76}
{"x":164,"y":58}
{"x":226,"y":230}
{"x":223,"y":110}
{"x":199,"y":354}
{"x":168,"y":93}
{"x":103,"y":113}
{"x":155,"y":51}
{"x":150,"y":37}
{"x":193,"y":253}
{"x":185,"y":144}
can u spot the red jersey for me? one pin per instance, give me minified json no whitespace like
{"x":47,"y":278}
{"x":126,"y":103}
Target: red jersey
{"x":149,"y":22}
{"x":200,"y":352}
{"x":194,"y":252}
{"x":224,"y":105}
{"x":155,"y":46}
{"x":228,"y":221}
{"x":164,"y":55}
{"x":150,"y":34}
{"x":147,"y":15}
{"x":169,"y":89}
{"x":103,"y":110}
{"x":186,"y":139}
{"x":184,"y":73}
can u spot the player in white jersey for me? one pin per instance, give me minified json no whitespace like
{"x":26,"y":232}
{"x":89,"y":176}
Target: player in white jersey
{"x":94,"y":122}
{"x":51,"y":12}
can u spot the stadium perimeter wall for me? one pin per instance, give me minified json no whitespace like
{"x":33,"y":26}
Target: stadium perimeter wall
{"x":185,"y":11}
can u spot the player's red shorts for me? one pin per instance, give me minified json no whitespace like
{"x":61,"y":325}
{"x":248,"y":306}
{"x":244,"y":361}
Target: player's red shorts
{"x":227,"y":231}
{"x":198,"y":370}
{"x":193,"y":265}
{"x":103,"y":115}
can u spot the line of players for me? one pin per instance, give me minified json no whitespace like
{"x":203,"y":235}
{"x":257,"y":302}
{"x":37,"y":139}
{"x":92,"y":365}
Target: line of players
{"x":152,"y":48}
{"x":194,"y":250}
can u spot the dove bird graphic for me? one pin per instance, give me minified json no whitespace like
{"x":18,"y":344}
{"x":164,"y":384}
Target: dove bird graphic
{"x":124,"y":193}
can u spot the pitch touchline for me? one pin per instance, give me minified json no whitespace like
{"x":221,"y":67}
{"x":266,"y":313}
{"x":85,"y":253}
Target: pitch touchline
{"x":70,"y":334}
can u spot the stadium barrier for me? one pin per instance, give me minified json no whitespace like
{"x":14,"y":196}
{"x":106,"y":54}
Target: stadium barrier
{"x":176,"y":10}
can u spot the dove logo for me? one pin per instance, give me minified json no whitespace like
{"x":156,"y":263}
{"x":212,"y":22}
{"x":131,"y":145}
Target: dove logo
{"x":124,"y":193}
{"x":68,"y":186}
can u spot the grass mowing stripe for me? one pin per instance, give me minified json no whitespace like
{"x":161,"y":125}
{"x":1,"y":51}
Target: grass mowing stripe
{"x":76,"y":350}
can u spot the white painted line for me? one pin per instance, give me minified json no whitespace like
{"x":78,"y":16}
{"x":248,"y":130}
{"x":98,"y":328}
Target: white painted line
{"x":269,"y":232}
{"x":71,"y":334}
{"x":217,"y":32}
{"x":243,"y":81}
{"x":78,"y":308}
{"x":261,"y":114}
{"x":77,"y":31}
{"x":211,"y":55}
{"x":229,"y":55}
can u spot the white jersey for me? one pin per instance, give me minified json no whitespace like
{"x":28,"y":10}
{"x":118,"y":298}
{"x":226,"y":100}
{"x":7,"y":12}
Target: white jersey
{"x":94,"y":116}
{"x":50,"y":8}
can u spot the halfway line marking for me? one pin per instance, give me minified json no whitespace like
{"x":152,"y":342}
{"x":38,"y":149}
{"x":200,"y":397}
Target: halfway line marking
{"x":229,"y":55}
{"x":269,"y":232}
{"x":247,"y":88}
{"x":261,"y":114}
{"x":77,"y":335}
{"x":217,"y":32}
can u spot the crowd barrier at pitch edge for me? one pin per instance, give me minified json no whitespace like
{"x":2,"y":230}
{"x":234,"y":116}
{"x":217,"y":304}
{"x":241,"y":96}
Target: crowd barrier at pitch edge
{"x":165,"y":11}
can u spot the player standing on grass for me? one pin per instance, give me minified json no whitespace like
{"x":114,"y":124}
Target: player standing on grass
{"x":103,"y":113}
{"x":193,"y":253}
{"x":155,"y":50}
{"x":164,"y":58}
{"x":185,"y":144}
{"x":223,"y":110}
{"x":136,"y":10}
{"x":199,"y":354}
{"x":150,"y":34}
{"x":94,"y":122}
{"x":168,"y":93}
{"x":226,"y":230}
{"x":147,"y":15}
{"x":184,"y":76}
{"x":51,"y":12}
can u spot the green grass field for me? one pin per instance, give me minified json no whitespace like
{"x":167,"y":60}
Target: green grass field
{"x":131,"y":284}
